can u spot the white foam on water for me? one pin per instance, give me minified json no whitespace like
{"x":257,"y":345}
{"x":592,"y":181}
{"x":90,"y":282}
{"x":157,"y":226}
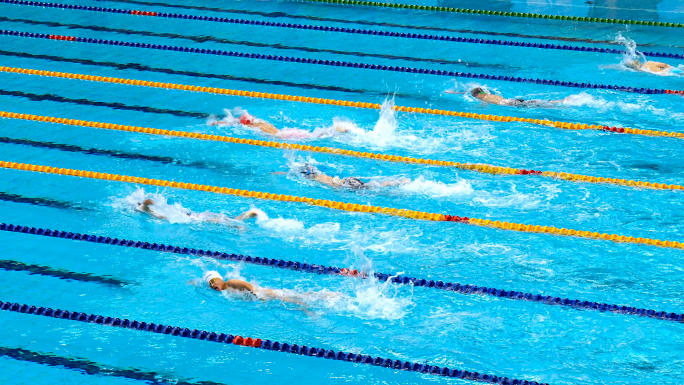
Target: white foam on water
{"x":437,"y":189}
{"x":370,"y":298}
{"x":385,"y":134}
{"x":584,"y":99}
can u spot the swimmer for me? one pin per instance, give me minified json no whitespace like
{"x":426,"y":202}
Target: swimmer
{"x":654,"y":67}
{"x":485,"y":96}
{"x":250,"y":121}
{"x":311,"y":172}
{"x":146,"y":207}
{"x":216,"y":282}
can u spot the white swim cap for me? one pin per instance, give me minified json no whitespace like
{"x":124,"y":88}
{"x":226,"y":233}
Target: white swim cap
{"x":209,"y":275}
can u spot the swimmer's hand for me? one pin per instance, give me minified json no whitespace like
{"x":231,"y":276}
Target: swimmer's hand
{"x":341,"y":129}
{"x":279,"y":173}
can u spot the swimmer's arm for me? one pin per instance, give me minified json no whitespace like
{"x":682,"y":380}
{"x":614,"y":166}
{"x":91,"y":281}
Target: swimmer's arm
{"x":279,"y":173}
{"x":239,"y":285}
{"x":396,"y":182}
{"x":455,"y":92}
{"x":272,"y":294}
{"x":322,"y":178}
{"x":158,"y":216}
{"x":247,"y":214}
{"x":266,"y":127}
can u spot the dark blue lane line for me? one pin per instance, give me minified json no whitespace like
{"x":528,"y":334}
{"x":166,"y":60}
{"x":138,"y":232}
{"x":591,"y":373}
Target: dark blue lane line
{"x":366,"y":22}
{"x":229,"y":339}
{"x":206,"y":38}
{"x":333,"y":63}
{"x":37,"y":201}
{"x":116,"y":106}
{"x":169,"y":71}
{"x":93,"y":368}
{"x":331,"y":270}
{"x":110,"y":153}
{"x":60,"y":273}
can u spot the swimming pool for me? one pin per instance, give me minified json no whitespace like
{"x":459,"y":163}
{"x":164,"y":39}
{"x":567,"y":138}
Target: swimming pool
{"x":522,"y":339}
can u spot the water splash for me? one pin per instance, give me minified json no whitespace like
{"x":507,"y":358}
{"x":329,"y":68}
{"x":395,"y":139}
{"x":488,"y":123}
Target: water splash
{"x":385,"y":133}
{"x":371,"y":299}
{"x":436,"y":189}
{"x":583,"y":99}
{"x":631,"y":53}
{"x":632,"y":60}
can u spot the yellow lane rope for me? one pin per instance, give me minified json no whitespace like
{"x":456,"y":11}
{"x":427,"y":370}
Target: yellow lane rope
{"x":483,"y":168}
{"x":352,"y":207}
{"x":306,"y":99}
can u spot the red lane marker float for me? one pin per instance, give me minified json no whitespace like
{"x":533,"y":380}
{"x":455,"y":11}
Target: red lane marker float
{"x":249,"y":342}
{"x":143,"y":13}
{"x":60,"y":37}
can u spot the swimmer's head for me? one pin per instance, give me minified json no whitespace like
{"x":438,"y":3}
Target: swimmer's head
{"x":214,"y":279}
{"x":309,"y":170}
{"x":634,"y":64}
{"x":478,"y":92}
{"x":246,"y":119}
{"x":145,"y":205}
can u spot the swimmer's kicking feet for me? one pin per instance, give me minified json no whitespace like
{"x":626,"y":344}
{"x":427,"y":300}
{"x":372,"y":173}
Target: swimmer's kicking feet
{"x":312,"y":173}
{"x":147,"y":206}
{"x":653,"y":67}
{"x":481,"y":94}
{"x":250,"y":121}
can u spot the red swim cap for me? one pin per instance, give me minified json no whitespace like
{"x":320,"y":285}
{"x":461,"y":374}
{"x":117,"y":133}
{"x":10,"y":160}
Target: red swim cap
{"x":246,"y":119}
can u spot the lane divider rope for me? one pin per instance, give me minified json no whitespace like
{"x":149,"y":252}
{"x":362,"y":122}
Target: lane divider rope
{"x":299,"y":60}
{"x":258,"y":343}
{"x":344,"y":103}
{"x":332,"y":270}
{"x":342,"y":206}
{"x":478,"y":167}
{"x":500,"y":13}
{"x":341,"y":30}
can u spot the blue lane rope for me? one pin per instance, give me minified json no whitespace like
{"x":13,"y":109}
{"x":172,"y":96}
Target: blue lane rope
{"x":259,"y":344}
{"x":335,"y":63}
{"x":342,"y":30}
{"x":331,"y":270}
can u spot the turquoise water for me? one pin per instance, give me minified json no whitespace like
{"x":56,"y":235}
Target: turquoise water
{"x":484,"y":334}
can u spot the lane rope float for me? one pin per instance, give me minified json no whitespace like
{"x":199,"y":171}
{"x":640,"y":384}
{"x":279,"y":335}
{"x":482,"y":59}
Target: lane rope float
{"x":343,"y":103}
{"x":258,"y":343}
{"x":478,"y":167}
{"x":342,"y":206}
{"x":454,"y":39}
{"x":332,"y":270}
{"x":500,"y":13}
{"x":299,"y":60}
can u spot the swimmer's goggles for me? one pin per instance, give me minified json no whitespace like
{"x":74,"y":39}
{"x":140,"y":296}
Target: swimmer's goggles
{"x":480,"y":93}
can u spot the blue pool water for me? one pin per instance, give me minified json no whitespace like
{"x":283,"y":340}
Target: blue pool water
{"x":517,"y":339}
